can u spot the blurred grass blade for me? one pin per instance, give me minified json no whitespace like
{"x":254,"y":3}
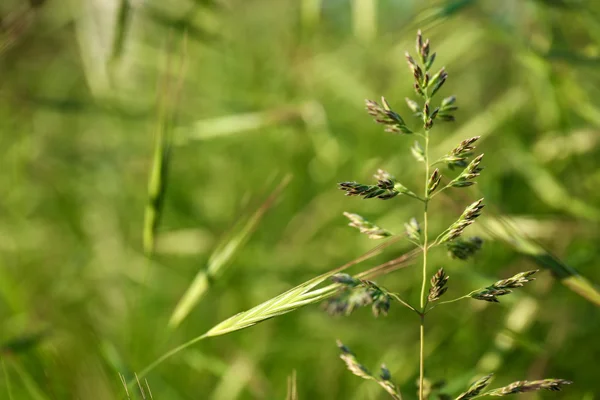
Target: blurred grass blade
{"x":364,"y":19}
{"x":237,"y":123}
{"x":292,"y":387}
{"x":286,"y":302}
{"x":568,"y":276}
{"x":121,"y":29}
{"x":220,"y":257}
{"x":29,"y":384}
{"x":548,"y":188}
{"x":238,"y":376}
{"x":157,"y":182}
{"x":95,"y":27}
{"x":310,"y":13}
{"x":7,"y":380}
{"x":23,"y":343}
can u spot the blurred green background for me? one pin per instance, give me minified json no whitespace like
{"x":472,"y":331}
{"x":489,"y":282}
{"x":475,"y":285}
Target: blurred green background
{"x":225,"y":100}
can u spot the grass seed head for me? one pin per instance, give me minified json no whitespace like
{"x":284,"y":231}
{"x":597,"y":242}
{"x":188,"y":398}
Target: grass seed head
{"x":476,"y":388}
{"x":371,"y":230}
{"x":553,"y":385}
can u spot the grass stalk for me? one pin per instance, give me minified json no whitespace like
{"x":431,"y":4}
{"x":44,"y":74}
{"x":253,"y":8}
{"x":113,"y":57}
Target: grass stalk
{"x":426,"y":198}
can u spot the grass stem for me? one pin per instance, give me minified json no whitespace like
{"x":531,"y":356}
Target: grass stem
{"x":424,"y":281}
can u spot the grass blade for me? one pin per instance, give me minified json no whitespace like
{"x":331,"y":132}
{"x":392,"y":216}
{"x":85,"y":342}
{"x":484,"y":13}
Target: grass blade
{"x":157,"y":182}
{"x":121,"y":29}
{"x":220,"y":258}
{"x":566,"y":274}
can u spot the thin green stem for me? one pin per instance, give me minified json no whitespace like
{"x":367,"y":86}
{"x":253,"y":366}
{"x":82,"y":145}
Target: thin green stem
{"x":449,"y":301}
{"x":164,"y":357}
{"x":422,"y":356}
{"x":440,"y":190}
{"x":424,"y":281}
{"x":414,"y":196}
{"x":403,"y":302}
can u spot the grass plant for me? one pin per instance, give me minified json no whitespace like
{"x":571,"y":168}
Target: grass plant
{"x":362,"y":292}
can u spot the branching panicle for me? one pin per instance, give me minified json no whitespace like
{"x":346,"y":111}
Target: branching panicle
{"x":355,"y":292}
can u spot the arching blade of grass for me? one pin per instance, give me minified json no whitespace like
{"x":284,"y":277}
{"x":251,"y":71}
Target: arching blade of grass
{"x":566,"y":274}
{"x":29,"y":384}
{"x":547,"y":187}
{"x":501,"y":228}
{"x":289,"y":301}
{"x":220,"y":258}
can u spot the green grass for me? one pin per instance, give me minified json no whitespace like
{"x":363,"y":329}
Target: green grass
{"x":272,"y":89}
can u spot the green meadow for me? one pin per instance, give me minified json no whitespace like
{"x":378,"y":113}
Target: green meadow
{"x":166,"y":165}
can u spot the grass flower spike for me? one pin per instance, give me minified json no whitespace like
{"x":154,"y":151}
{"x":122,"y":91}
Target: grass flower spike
{"x":356,"y":293}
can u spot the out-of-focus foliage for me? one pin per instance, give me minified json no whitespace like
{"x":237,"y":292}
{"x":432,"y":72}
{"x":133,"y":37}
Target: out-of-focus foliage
{"x":271,"y":88}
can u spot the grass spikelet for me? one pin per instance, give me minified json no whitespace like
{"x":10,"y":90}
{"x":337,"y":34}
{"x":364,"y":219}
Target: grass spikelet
{"x":384,"y":115}
{"x":553,"y":385}
{"x":462,"y":249}
{"x":354,"y":366}
{"x":467,"y":218}
{"x":476,"y":388}
{"x":438,"y":285}
{"x":457,"y":158}
{"x":434,"y":181}
{"x":368,"y":228}
{"x":413,"y":230}
{"x":358,"y":293}
{"x":385,"y":189}
{"x":466,"y":177}
{"x":284,"y":303}
{"x":502,"y":287}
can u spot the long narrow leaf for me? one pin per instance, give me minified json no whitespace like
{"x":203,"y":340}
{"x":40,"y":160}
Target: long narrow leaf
{"x":220,"y":258}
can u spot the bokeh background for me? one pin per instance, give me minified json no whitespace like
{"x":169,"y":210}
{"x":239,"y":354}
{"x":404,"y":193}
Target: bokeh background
{"x":243,"y":116}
